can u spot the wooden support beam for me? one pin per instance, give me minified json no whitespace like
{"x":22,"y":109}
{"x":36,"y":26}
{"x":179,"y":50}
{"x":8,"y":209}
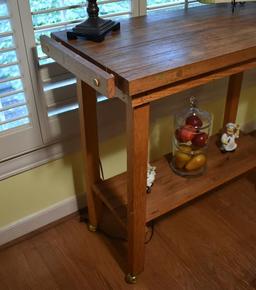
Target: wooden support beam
{"x":233,"y":95}
{"x":187,"y":84}
{"x":89,"y":140}
{"x":137,"y":158}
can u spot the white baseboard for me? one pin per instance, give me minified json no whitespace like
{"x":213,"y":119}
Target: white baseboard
{"x":40,"y":219}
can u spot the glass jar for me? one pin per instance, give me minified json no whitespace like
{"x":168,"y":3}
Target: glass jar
{"x":190,"y":141}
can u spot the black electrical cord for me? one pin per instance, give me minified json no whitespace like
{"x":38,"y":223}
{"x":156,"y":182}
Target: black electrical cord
{"x":101,"y":170}
{"x":149,"y":233}
{"x":152,"y":227}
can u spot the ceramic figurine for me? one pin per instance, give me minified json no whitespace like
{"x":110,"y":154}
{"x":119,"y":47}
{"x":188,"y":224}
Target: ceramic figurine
{"x":228,"y":139}
{"x":151,"y":174}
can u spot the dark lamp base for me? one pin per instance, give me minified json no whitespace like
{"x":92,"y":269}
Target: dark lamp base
{"x":94,"y":29}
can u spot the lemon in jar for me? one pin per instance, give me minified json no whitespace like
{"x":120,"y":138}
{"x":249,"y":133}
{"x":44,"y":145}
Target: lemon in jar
{"x":196,"y":162}
{"x":181,"y":159}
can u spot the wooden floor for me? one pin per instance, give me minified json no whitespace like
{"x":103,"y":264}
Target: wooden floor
{"x":208,"y":244}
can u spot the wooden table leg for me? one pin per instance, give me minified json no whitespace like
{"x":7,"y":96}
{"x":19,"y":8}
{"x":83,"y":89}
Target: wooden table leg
{"x":233,"y":95}
{"x":89,"y":139}
{"x":137,"y":158}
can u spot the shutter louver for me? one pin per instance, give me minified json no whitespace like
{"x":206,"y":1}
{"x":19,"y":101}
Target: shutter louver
{"x":13,"y":104}
{"x":19,"y":126}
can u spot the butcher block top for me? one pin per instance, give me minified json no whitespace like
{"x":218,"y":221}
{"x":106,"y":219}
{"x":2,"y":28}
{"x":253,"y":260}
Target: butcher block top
{"x":169,"y":46}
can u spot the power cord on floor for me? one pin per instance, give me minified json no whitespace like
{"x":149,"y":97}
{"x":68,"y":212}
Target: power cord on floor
{"x":152,"y":228}
{"x":101,"y":170}
{"x":148,"y":238}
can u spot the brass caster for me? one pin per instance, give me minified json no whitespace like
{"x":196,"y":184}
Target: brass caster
{"x":92,"y":228}
{"x":130,"y":278}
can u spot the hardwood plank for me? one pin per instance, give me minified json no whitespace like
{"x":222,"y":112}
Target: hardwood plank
{"x":191,"y":83}
{"x":34,"y":261}
{"x":226,"y":206}
{"x":96,"y":264}
{"x":221,"y":241}
{"x":165,"y":76}
{"x":208,"y":248}
{"x":80,"y":265}
{"x":170,"y":190}
{"x":175,"y":57}
{"x":170,"y":271}
{"x":113,"y":42}
{"x":207,"y":244}
{"x":143,"y":56}
{"x":14,"y":270}
{"x":237,"y":255}
{"x":58,"y":265}
{"x":90,"y":257}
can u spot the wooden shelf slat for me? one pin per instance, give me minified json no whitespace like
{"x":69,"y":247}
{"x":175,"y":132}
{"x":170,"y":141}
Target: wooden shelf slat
{"x":112,"y":202}
{"x":170,"y":190}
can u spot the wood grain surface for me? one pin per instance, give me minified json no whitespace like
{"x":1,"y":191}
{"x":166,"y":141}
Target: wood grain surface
{"x":162,"y":48}
{"x":208,"y":244}
{"x":196,"y":81}
{"x":170,"y":190}
{"x":100,"y":80}
{"x":90,"y":147}
{"x":137,"y":160}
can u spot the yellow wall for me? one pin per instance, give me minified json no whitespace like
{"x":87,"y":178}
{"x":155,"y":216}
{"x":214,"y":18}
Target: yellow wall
{"x":46,"y":185}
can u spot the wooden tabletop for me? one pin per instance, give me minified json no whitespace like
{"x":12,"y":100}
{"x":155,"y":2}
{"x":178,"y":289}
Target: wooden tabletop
{"x":168,"y":46}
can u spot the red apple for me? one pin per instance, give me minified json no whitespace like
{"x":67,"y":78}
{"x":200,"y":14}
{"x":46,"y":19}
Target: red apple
{"x":194,"y":121}
{"x":185,"y":133}
{"x":200,"y":139}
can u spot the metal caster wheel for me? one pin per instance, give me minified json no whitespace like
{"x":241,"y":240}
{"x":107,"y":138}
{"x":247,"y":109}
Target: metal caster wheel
{"x":92,"y":228}
{"x":130,"y":278}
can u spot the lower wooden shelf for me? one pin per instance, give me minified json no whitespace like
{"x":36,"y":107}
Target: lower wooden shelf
{"x":170,"y":190}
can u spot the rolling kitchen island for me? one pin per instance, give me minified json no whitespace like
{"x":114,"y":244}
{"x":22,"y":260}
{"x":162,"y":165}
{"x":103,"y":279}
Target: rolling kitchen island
{"x":150,"y":58}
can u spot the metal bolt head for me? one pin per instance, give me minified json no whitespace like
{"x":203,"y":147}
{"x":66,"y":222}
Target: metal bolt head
{"x":130,"y":278}
{"x":92,"y":228}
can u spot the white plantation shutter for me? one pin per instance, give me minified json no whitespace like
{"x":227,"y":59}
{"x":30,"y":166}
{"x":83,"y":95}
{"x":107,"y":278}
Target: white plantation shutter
{"x":19,"y":128}
{"x":57,"y":92}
